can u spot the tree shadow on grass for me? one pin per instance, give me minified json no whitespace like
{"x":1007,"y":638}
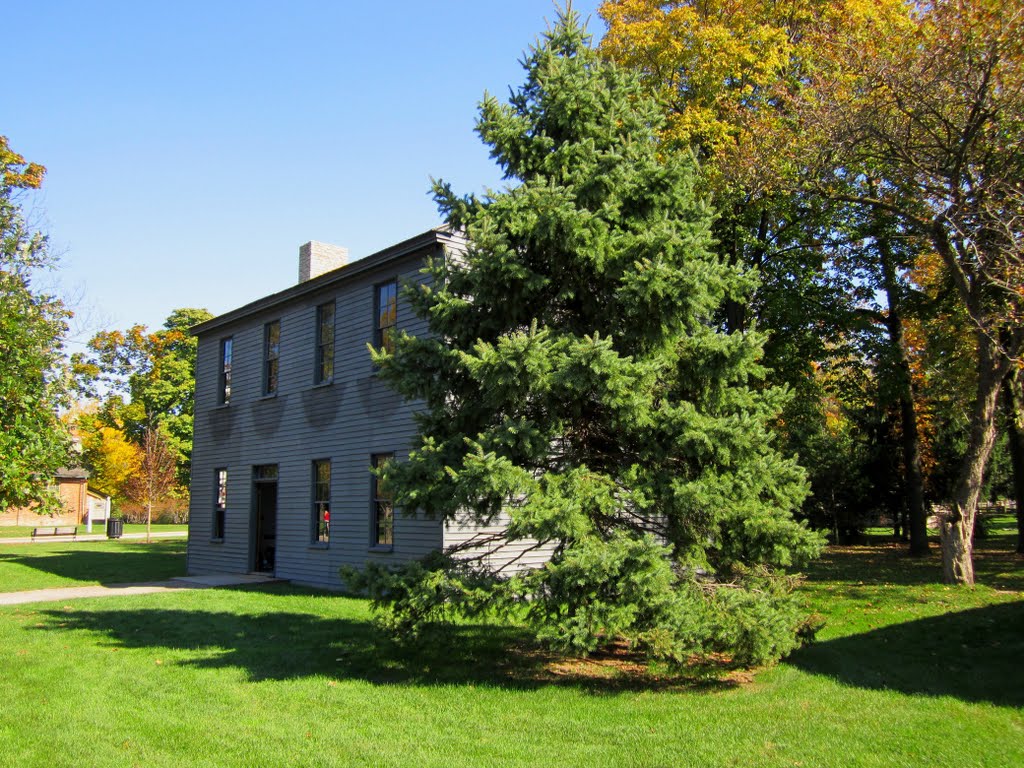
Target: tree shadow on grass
{"x":972,"y":655}
{"x":285,"y":645}
{"x":103,"y":562}
{"x":995,"y":566}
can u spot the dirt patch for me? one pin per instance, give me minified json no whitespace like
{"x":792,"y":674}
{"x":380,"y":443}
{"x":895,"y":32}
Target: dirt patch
{"x":623,"y":668}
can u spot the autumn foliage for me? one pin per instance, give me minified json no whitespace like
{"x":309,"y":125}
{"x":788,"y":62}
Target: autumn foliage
{"x":900,"y":125}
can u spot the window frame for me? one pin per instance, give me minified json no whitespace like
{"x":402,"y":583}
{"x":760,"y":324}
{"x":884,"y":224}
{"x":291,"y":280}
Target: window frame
{"x":271,"y":358}
{"x":227,"y":345}
{"x":320,"y":504}
{"x":383,"y":333}
{"x":379,"y":502}
{"x":323,"y":372}
{"x":220,"y":503}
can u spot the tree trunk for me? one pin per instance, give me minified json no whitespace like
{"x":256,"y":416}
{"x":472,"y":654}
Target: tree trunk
{"x":916,"y":513}
{"x":957,"y":526}
{"x":1015,"y":436}
{"x":993,"y":364}
{"x":917,"y":517}
{"x":957,"y":548}
{"x":736,"y":313}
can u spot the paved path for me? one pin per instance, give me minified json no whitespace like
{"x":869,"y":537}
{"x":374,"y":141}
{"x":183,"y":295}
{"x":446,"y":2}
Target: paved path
{"x":91,"y":537}
{"x":173,"y":585}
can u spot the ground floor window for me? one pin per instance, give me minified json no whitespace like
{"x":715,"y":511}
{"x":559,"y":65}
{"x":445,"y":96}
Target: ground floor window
{"x":322,"y":501}
{"x":221,"y":504}
{"x":383,"y":508}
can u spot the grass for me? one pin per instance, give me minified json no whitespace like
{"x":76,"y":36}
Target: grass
{"x":80,"y":563}
{"x":949,"y":641}
{"x":25,"y":531}
{"x":907,"y":672}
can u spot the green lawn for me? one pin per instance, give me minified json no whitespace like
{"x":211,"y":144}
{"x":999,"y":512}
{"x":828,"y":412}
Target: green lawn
{"x":78,"y":563}
{"x":907,"y":672}
{"x":25,"y":531}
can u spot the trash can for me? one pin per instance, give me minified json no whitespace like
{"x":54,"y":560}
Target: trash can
{"x":114,"y":528}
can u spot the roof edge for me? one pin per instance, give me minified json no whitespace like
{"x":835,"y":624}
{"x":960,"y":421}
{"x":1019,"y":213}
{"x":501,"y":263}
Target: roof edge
{"x":436,"y":236}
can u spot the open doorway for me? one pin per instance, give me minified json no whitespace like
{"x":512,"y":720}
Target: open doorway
{"x":264,"y":517}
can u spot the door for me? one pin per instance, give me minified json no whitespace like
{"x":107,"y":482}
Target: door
{"x":264,"y":513}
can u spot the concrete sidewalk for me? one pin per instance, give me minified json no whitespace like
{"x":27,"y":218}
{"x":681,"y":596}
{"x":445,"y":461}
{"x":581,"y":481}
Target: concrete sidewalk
{"x":91,"y":537}
{"x":173,"y":585}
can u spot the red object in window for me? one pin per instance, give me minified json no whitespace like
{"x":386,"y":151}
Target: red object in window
{"x":327,"y":516}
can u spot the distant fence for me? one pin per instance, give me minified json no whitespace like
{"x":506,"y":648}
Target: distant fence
{"x":985,"y":509}
{"x":171,"y":511}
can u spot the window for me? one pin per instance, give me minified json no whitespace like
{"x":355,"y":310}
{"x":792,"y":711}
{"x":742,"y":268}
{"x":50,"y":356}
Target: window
{"x":220,"y":503}
{"x":322,"y":501}
{"x":387,"y":316}
{"x":224,"y":387}
{"x":264,"y":473}
{"x":271,"y":356}
{"x":325,"y":343}
{"x":383,"y":509}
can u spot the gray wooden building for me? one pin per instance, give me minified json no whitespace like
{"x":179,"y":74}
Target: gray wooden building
{"x":290,"y":415}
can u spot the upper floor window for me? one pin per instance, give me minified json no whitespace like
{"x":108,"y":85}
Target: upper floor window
{"x":387,"y":316}
{"x":325,"y":342}
{"x":271,"y":356}
{"x":383,"y":508}
{"x":322,"y":501}
{"x":224,"y":387}
{"x":221,"y":503}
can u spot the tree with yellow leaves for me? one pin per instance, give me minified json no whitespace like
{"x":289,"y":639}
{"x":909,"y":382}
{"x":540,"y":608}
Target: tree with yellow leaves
{"x":907,"y":112}
{"x":156,"y":371}
{"x":109,"y":455}
{"x":722,"y":69}
{"x":926,"y":101}
{"x":728,"y":73}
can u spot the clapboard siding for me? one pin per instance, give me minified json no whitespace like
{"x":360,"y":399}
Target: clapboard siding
{"x":345,"y":421}
{"x":506,"y":556}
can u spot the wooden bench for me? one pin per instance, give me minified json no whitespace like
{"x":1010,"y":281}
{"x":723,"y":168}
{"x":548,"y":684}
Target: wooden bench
{"x":56,"y":530}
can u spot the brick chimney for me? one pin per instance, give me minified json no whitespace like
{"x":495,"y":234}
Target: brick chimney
{"x":316,"y":258}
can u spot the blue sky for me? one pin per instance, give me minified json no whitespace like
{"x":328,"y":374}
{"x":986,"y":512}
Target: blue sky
{"x":192,"y":147}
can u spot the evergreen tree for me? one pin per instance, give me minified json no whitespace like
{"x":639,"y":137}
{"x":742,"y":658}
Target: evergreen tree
{"x":578,"y":389}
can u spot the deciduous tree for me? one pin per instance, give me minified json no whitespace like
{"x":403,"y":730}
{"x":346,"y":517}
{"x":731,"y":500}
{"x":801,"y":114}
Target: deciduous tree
{"x":107,"y":453}
{"x":725,"y":71}
{"x":880,"y":258}
{"x":156,"y":476}
{"x":33,"y":440}
{"x":155,"y":370}
{"x":910,"y":110}
{"x":927,"y":98}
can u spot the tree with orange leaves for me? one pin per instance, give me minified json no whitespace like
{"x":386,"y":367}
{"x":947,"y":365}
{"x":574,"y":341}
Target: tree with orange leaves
{"x":908,"y":111}
{"x":156,"y":476}
{"x":729,"y":73}
{"x":926,"y":100}
{"x":155,"y":371}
